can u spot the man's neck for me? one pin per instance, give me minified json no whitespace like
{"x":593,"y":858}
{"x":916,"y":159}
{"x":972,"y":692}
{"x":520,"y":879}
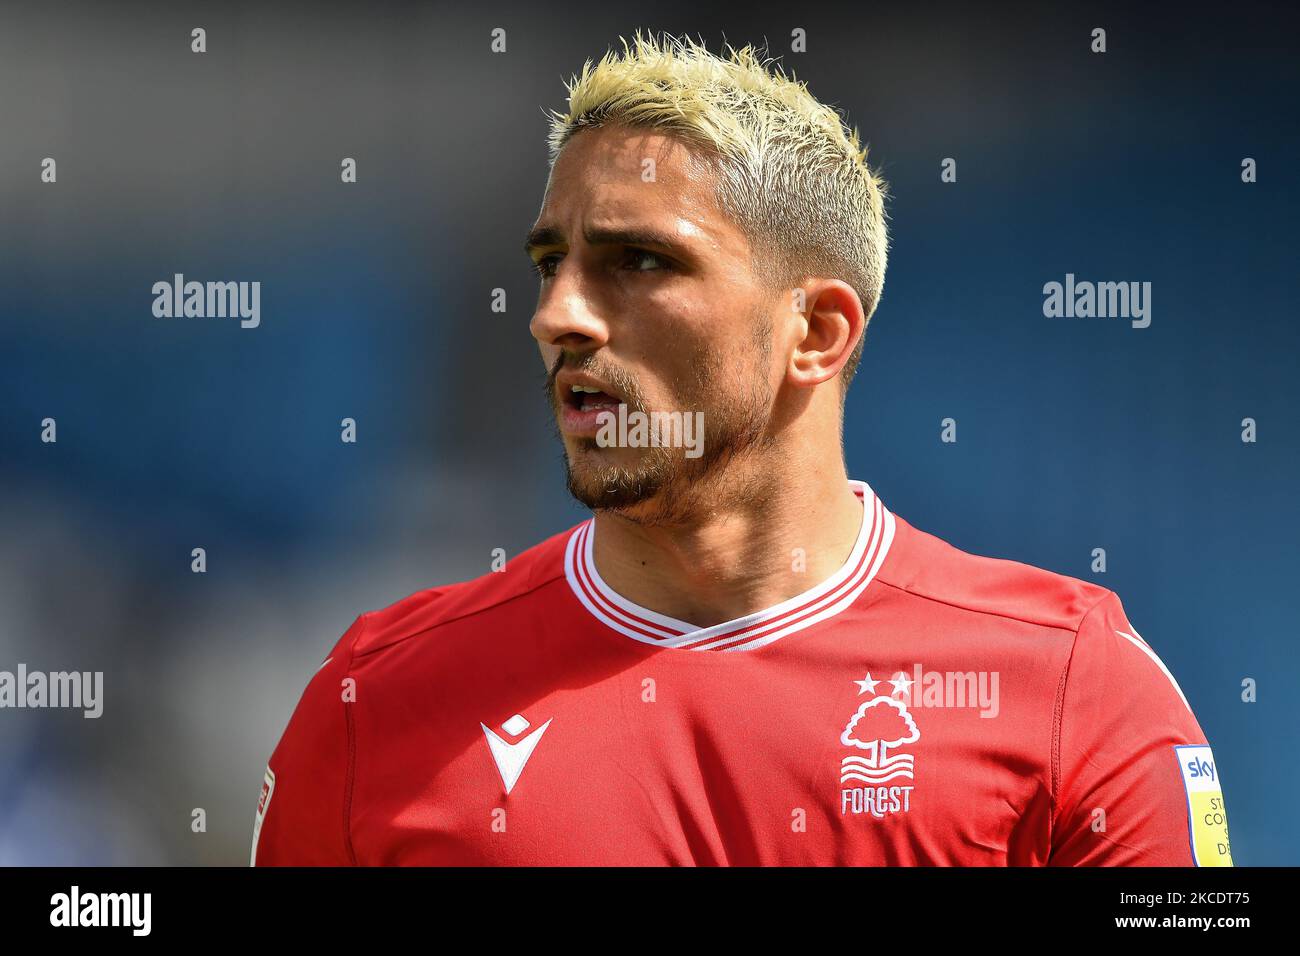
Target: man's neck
{"x":739,"y":557}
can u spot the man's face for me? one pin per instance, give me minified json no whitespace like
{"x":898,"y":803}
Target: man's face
{"x":648,"y":296}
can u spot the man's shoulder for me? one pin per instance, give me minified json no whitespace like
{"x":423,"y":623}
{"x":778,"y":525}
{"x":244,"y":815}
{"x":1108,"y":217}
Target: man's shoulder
{"x":933,"y":569}
{"x":498,"y":592}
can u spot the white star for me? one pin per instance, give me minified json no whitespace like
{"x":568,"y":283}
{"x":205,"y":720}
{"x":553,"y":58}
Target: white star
{"x":901,"y":684}
{"x":867,"y":686}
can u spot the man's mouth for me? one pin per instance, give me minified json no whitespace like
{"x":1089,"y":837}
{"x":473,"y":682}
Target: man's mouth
{"x":586,"y":398}
{"x":582,"y":406}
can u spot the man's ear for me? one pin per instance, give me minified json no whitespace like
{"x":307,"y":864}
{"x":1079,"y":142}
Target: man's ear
{"x":834,"y":322}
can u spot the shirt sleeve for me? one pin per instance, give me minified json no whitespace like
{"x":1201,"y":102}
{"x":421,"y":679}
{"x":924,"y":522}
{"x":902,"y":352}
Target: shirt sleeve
{"x":1134,"y":780}
{"x":302,"y":813}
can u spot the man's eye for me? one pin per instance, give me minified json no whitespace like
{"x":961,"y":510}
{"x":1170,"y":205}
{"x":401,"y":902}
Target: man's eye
{"x":546,"y":266}
{"x":642,"y":260}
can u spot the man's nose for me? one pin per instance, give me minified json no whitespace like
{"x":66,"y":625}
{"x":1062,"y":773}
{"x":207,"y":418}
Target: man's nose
{"x":566,"y":315}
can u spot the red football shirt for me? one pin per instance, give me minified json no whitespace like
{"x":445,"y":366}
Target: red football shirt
{"x":921,"y":706}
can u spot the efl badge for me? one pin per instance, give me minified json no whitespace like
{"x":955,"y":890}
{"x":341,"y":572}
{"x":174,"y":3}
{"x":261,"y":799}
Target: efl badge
{"x":264,"y":801}
{"x":1207,"y":817}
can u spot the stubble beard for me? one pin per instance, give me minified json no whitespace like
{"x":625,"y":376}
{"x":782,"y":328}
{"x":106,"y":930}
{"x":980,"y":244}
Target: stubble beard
{"x":663,"y":486}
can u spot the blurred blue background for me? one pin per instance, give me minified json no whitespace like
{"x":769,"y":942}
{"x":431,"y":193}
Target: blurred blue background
{"x":173,"y":434}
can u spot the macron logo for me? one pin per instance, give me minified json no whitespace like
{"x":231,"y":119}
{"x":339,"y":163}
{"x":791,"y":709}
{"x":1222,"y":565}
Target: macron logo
{"x":510,"y":758}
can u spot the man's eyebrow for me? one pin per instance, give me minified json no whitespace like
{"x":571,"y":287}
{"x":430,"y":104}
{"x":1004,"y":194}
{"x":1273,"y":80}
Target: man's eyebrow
{"x":543,"y":236}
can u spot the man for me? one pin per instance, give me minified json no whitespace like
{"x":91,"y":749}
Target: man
{"x":743,"y":657}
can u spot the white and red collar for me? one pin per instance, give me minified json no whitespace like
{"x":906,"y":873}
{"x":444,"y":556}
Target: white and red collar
{"x":744,"y":633}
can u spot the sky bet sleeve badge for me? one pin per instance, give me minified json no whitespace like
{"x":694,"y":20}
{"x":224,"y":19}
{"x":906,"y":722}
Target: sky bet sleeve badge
{"x":1207,"y":818}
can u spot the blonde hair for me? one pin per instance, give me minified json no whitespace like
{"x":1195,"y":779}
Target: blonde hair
{"x":792,"y":175}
